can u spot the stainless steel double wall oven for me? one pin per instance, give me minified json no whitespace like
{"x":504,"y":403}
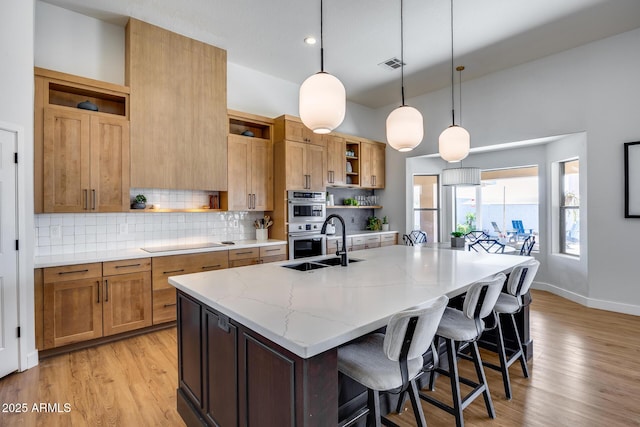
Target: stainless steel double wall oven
{"x":306,"y":214}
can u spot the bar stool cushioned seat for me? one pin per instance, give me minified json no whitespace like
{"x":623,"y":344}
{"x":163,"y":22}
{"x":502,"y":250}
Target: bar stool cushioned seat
{"x":466,"y":326}
{"x":391,"y":361}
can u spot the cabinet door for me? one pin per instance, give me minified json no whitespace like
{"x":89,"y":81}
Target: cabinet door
{"x":239,"y":180}
{"x":127,"y":302}
{"x":72,"y":312}
{"x":378,"y":165}
{"x":262,"y":174}
{"x":109,"y":164}
{"x":296,"y":131}
{"x":336,"y":160}
{"x":66,"y":160}
{"x":296,"y":174}
{"x":316,"y":166}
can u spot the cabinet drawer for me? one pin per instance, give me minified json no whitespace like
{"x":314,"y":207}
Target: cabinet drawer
{"x":372,"y":239}
{"x":388,"y":239}
{"x":72,"y":272}
{"x":267,"y":251}
{"x":164,"y":305}
{"x":175,"y":265}
{"x":274,"y":258}
{"x":243,"y":262}
{"x":126,"y":266}
{"x":235,"y":254}
{"x":358,"y":240}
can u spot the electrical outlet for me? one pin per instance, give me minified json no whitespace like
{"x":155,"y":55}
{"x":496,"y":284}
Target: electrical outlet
{"x":55,"y":231}
{"x":353,"y":220}
{"x":124,"y":229}
{"x":235,"y":223}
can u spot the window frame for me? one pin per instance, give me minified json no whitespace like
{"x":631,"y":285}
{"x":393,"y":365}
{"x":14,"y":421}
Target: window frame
{"x":563,"y":209}
{"x":437,"y":211}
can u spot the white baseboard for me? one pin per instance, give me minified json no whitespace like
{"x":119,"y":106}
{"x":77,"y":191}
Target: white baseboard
{"x":617,"y":307}
{"x":32,"y":360}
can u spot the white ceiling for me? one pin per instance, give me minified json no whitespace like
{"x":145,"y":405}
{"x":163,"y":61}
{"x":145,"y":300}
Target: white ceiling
{"x":490,"y":35}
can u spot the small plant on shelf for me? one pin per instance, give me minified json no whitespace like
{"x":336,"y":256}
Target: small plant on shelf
{"x":373,"y":223}
{"x":385,"y":223}
{"x":140,"y":202}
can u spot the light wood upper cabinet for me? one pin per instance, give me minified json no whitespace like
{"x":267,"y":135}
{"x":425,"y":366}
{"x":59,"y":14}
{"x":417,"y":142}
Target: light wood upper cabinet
{"x":178,"y":110}
{"x":372,"y":164}
{"x":86,"y":161}
{"x":305,"y":166}
{"x":81,"y":157}
{"x":336,"y":160}
{"x":250,"y":163}
{"x":292,"y":129}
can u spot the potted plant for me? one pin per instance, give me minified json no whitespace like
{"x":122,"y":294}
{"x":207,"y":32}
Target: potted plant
{"x":385,"y":224}
{"x":457,"y":239}
{"x":140,"y":202}
{"x":373,"y":223}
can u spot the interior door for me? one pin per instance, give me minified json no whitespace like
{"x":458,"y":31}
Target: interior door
{"x":9,"y":352}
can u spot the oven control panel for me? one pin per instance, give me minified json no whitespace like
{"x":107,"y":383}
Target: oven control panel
{"x":304,"y":227}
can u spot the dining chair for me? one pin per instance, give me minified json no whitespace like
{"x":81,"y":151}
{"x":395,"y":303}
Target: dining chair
{"x":527,"y":245}
{"x":392,"y":361}
{"x":491,"y":246}
{"x":474,"y":235}
{"x":416,"y":237}
{"x":465,"y":326}
{"x":510,"y":302}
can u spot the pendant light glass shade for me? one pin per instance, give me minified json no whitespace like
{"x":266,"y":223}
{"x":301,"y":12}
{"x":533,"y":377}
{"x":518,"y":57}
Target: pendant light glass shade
{"x":454,"y":143}
{"x":322,"y":99}
{"x":460,"y":177}
{"x":322,"y":102}
{"x":404,"y":128}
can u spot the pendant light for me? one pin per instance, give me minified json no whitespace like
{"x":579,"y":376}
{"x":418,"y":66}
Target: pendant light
{"x":322,"y":101}
{"x":405,"y":127}
{"x":454,"y":142}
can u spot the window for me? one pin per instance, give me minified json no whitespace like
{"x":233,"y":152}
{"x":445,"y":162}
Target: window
{"x":506,"y":198}
{"x":570,"y":207}
{"x":426,"y":210}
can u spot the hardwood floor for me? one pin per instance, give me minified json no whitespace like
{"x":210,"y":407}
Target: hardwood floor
{"x":585,"y":372}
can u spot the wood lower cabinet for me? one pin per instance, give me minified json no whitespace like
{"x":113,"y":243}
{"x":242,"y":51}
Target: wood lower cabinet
{"x":79,"y":304}
{"x":257,"y":255}
{"x":228,"y":374}
{"x":127,"y":296}
{"x":164,"y":295}
{"x":72,"y":304}
{"x":389,"y":239}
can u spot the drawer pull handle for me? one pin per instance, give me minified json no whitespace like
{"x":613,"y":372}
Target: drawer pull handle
{"x":272,"y":250}
{"x":211,"y":266}
{"x":127,"y":266}
{"x":170,"y":305}
{"x":243,"y":253}
{"x":106,"y":291}
{"x":74,"y":271}
{"x":173,"y":271}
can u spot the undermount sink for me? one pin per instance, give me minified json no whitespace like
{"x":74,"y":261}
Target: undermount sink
{"x":335,"y":261}
{"x":305,"y":266}
{"x":314,"y":265}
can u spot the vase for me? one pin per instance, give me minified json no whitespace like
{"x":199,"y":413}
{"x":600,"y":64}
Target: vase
{"x":385,"y":227}
{"x":262,"y":233}
{"x":139,"y":205}
{"x":457,"y":242}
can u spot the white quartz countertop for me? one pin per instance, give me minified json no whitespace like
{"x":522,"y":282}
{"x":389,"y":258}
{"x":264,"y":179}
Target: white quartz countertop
{"x":101,"y":256}
{"x":313,"y":311}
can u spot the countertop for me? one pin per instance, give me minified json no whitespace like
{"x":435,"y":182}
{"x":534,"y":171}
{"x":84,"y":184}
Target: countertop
{"x":86,"y":257}
{"x":313,"y":311}
{"x":360,"y":233}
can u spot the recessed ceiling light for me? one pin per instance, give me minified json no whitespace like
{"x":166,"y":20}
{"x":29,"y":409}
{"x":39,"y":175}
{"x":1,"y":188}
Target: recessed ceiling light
{"x":310,"y":40}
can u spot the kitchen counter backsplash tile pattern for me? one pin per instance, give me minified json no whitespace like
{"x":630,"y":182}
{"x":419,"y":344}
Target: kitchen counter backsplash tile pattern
{"x":74,"y":233}
{"x":173,"y":199}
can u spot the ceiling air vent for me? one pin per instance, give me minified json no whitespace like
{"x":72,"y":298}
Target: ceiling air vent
{"x":392,"y":64}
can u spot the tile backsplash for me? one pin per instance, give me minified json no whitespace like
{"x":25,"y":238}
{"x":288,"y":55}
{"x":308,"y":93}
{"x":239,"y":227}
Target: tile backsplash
{"x":72,"y":233}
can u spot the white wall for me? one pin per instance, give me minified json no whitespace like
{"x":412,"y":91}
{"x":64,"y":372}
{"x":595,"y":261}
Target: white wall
{"x":72,"y":43}
{"x":16,"y":108}
{"x":592,"y":89}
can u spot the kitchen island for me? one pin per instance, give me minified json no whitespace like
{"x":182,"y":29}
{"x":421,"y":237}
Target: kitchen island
{"x":258,"y":345}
